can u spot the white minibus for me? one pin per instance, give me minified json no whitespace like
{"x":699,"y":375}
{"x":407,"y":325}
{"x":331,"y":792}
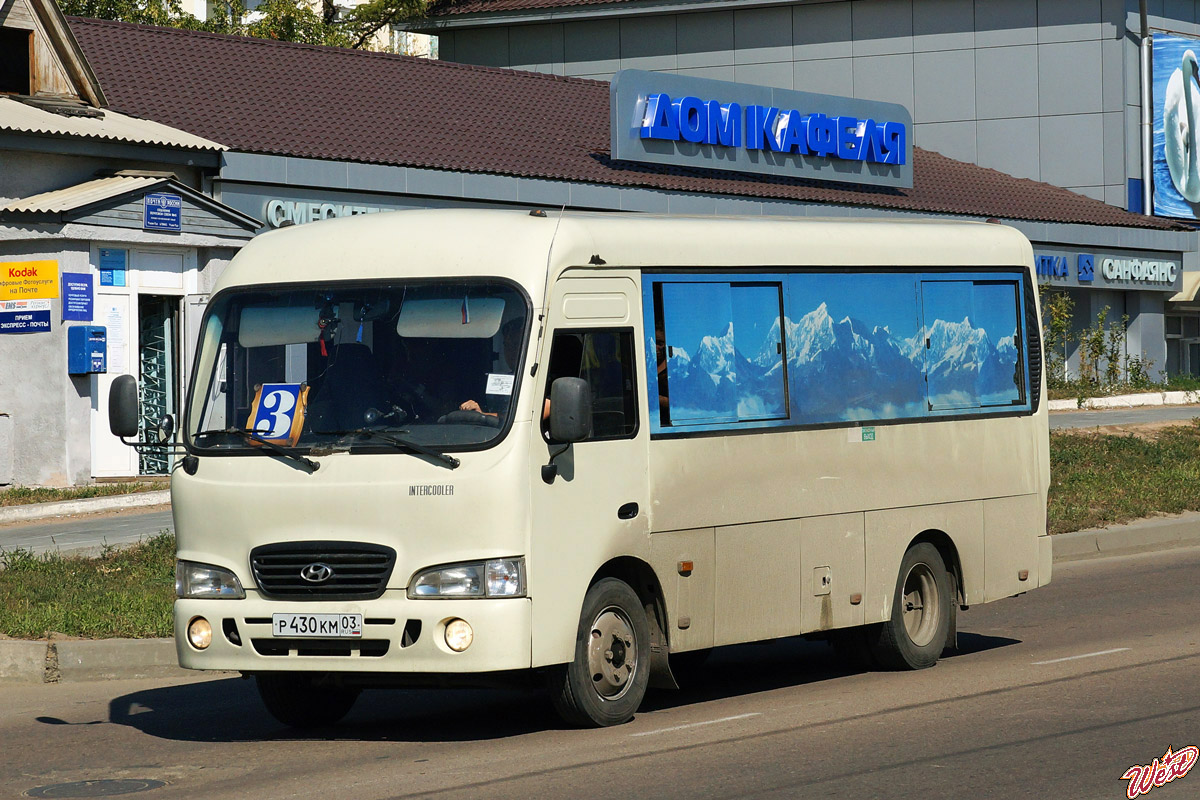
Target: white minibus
{"x":468,"y":446}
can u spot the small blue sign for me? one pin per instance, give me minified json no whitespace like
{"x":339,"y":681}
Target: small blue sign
{"x":112,"y":266}
{"x":78,"y":297}
{"x":24,"y":321}
{"x":1085,"y":268}
{"x":276,"y":410}
{"x":162,"y":212}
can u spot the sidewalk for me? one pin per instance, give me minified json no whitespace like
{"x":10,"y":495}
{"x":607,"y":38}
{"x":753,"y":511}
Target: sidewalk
{"x":1126,"y":401}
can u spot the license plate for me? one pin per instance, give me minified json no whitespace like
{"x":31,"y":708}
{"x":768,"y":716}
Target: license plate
{"x":324,"y":626}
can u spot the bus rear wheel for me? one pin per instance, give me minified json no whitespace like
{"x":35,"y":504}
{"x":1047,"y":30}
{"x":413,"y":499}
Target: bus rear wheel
{"x":916,"y":633}
{"x":605,"y":683}
{"x":301,"y":701}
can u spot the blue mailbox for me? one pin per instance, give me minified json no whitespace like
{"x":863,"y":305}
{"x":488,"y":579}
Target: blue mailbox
{"x":87,"y":349}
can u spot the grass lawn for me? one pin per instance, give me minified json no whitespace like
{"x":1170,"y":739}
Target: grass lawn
{"x":23,"y":495}
{"x":123,"y":593}
{"x":1103,"y":479}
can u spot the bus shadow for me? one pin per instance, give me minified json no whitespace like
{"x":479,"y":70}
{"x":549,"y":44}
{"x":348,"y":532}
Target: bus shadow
{"x":229,"y":709}
{"x":742,"y":670}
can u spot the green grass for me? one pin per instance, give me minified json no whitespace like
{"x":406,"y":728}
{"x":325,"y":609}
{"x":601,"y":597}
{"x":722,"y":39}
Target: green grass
{"x":23,"y":495}
{"x":122,"y":593}
{"x":1102,"y":479}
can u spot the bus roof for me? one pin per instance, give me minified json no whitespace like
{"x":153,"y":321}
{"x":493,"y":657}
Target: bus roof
{"x":434,"y":243}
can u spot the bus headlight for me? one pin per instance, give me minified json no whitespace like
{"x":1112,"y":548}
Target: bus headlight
{"x":459,"y":635}
{"x":199,"y":633}
{"x":499,"y":577}
{"x":206,"y":581}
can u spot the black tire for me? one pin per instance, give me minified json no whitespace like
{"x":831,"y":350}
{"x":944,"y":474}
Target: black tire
{"x":300,"y":701}
{"x":605,"y":683}
{"x":916,"y":634}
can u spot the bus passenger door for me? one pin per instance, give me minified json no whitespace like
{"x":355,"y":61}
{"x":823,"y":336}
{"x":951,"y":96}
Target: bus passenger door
{"x":595,"y":509}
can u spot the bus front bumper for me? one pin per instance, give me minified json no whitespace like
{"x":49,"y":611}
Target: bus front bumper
{"x":399,"y":635}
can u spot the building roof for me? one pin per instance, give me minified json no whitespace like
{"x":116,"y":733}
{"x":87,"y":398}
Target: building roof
{"x":73,"y":201}
{"x":263,"y":96}
{"x":79,"y":196}
{"x":21,"y":117}
{"x":445,"y":8}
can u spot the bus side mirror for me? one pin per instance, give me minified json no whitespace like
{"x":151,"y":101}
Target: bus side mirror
{"x":123,"y":407}
{"x":570,"y":418}
{"x":570,"y":410}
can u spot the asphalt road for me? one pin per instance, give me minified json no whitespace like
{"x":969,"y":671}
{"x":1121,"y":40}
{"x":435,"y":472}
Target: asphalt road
{"x":1055,"y":694}
{"x":87,"y":532}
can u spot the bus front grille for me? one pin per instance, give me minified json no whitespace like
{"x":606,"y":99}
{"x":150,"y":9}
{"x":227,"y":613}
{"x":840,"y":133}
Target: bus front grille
{"x":322,"y":570}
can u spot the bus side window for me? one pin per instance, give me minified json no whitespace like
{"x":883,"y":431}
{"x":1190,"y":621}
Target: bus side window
{"x":604,"y":358}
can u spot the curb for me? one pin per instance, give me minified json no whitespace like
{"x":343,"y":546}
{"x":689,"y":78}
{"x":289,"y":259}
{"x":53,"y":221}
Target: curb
{"x":63,"y":661}
{"x":1126,"y":401}
{"x":1158,"y":533}
{"x":71,"y":660}
{"x":68,"y":508}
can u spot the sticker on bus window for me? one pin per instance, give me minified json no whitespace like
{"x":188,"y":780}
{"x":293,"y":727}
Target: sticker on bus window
{"x":499,"y":384}
{"x":278,"y":412}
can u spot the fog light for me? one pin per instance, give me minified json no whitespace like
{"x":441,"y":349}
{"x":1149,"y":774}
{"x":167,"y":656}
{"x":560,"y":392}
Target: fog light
{"x":200,"y":633}
{"x":459,"y":635}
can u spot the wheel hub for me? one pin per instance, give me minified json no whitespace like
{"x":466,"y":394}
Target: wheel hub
{"x":921,"y":605}
{"x":612,"y":654}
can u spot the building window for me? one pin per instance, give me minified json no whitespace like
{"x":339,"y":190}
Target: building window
{"x":14,"y":61}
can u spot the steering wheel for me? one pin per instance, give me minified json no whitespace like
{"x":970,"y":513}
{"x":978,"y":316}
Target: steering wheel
{"x":470,"y":418}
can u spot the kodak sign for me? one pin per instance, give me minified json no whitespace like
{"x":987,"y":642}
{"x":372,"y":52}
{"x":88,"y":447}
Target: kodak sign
{"x":28,"y":280}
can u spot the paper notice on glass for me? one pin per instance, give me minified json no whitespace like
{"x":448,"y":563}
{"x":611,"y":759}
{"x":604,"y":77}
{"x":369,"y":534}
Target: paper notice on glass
{"x":499,"y":384}
{"x":112,"y":313}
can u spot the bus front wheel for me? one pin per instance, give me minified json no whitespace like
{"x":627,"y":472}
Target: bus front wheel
{"x":301,"y":701}
{"x":916,"y":633}
{"x":606,"y":681}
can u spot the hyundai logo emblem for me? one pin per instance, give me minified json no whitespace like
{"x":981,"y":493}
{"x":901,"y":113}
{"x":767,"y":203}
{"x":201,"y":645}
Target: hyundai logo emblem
{"x":317,"y":572}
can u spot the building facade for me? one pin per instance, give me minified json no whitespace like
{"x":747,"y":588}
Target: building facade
{"x":107,"y":237}
{"x":1068,"y":92}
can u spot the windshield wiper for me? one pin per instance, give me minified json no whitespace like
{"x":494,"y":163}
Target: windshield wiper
{"x":450,"y":461}
{"x":267,"y":445}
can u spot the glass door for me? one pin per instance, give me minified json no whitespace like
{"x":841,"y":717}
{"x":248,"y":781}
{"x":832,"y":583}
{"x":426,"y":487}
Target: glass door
{"x":158,"y":370}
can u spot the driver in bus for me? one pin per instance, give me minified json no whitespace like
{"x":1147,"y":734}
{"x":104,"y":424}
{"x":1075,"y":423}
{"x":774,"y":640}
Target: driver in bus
{"x":494,"y":404}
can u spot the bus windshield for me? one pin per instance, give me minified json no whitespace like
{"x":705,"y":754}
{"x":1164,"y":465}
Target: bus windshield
{"x":333,"y":367}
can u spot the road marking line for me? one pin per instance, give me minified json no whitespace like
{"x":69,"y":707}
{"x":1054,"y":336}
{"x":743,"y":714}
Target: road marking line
{"x":696,"y":724}
{"x":1085,"y":655}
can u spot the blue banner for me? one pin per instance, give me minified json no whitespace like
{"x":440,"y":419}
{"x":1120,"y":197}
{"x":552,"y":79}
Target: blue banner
{"x":78,"y":297}
{"x":24,"y":316}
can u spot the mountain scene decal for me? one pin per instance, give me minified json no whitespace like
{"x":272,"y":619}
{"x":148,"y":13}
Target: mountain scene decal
{"x":852,"y":356}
